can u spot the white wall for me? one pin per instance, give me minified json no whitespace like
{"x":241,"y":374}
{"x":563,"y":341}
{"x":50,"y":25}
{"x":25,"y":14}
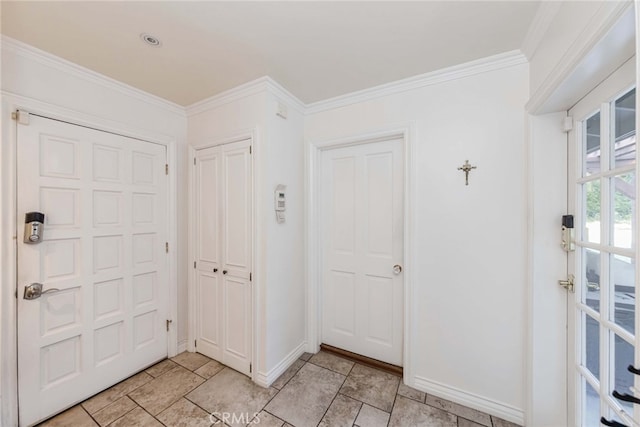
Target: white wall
{"x":547,"y":349}
{"x":31,"y":77}
{"x":286,"y":290}
{"x":470,"y":242}
{"x":278,"y":159}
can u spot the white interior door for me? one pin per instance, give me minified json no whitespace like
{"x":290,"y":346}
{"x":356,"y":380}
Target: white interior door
{"x":223,"y":197}
{"x":102,"y":262}
{"x":362,"y":238}
{"x":602,"y":193}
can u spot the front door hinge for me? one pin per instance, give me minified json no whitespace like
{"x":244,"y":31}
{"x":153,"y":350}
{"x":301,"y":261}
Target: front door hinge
{"x":194,"y":161}
{"x":166,"y":168}
{"x":250,"y":368}
{"x":250,"y":276}
{"x":22,"y":117}
{"x":195,"y":343}
{"x":168,"y":323}
{"x":166,"y":247}
{"x":249,"y":149}
{"x":194,"y":264}
{"x":569,"y":283}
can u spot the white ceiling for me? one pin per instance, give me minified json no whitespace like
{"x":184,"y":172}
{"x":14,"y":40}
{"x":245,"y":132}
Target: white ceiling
{"x":317,"y":50}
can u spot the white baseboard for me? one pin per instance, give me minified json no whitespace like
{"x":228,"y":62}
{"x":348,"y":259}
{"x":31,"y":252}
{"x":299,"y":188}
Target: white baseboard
{"x":491,"y":407}
{"x":266,"y":379}
{"x":182,"y":346}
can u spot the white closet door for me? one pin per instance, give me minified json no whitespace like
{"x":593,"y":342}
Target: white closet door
{"x":224,"y":219}
{"x":102,"y":261}
{"x":208,"y":240}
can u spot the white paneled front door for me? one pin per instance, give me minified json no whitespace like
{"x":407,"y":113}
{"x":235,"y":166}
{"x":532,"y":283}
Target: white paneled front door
{"x":223,"y":249}
{"x":102,"y":263}
{"x":362,"y":238}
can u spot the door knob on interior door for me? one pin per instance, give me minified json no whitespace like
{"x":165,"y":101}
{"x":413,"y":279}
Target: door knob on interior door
{"x":34,"y":291}
{"x":215,"y":270}
{"x":397,"y":269}
{"x":224,"y":271}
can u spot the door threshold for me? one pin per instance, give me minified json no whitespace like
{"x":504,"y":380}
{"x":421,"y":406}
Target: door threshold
{"x":363,"y":360}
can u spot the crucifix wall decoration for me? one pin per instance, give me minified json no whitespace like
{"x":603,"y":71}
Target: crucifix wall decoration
{"x":466,"y":168}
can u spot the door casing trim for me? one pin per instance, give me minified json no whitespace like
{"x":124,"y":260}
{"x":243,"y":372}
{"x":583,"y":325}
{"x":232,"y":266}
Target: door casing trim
{"x":313,"y":246}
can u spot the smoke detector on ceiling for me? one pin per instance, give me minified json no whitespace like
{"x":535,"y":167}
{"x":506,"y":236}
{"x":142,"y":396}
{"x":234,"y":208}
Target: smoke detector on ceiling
{"x":150,"y":40}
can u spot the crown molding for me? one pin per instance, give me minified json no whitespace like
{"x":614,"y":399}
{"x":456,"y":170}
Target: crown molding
{"x":541,"y":22}
{"x":259,"y":85}
{"x":266,"y":83}
{"x":467,"y":69}
{"x":246,"y":89}
{"x":30,"y":52}
{"x":281,"y":92}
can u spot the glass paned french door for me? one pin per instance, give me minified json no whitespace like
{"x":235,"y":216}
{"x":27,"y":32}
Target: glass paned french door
{"x":602,"y":311}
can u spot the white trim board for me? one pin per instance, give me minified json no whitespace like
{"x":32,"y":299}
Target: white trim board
{"x":575,"y":65}
{"x":406,"y":132}
{"x":471,"y":400}
{"x":8,"y":194}
{"x":467,"y":69}
{"x":27,"y":51}
{"x":547,"y":11}
{"x":267,"y":83}
{"x":266,"y":379}
{"x":262,"y":84}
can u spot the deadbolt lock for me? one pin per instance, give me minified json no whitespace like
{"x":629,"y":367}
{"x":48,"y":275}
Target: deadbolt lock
{"x":568,"y":284}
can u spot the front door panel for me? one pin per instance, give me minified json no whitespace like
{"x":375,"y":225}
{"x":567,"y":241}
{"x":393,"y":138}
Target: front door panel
{"x":102,"y":263}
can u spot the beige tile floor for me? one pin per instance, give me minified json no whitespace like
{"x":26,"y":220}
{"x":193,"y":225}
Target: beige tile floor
{"x":317,"y":390}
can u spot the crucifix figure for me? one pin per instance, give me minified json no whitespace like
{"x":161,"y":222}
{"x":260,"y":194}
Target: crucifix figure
{"x":466,"y":168}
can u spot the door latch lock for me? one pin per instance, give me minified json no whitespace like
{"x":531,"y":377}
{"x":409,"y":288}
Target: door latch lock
{"x":568,"y":284}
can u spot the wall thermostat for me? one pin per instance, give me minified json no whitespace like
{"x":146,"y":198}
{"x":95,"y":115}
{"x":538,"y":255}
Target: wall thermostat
{"x":280,"y":202}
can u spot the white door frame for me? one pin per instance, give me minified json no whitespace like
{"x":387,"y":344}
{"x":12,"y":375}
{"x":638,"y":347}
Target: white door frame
{"x":8,"y":241}
{"x":250,"y":134}
{"x":313,"y":154}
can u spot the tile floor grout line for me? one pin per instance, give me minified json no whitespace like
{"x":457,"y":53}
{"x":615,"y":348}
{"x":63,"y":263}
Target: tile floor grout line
{"x":334,"y":397}
{"x":359,"y":410}
{"x":395,"y":398}
{"x":90,"y":416}
{"x":123,"y":415}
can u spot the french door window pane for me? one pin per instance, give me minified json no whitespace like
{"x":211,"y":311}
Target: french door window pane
{"x":591,"y":278}
{"x":624,"y":146}
{"x":590,"y":405}
{"x":622,"y":378}
{"x":591,"y":217}
{"x":592,"y":345}
{"x":591,"y":145}
{"x":623,"y":271}
{"x":624,"y":200}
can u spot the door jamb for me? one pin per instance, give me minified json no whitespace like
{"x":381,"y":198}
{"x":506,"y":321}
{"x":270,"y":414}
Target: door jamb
{"x":313,"y":246}
{"x":243,"y":135}
{"x":8,"y":245}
